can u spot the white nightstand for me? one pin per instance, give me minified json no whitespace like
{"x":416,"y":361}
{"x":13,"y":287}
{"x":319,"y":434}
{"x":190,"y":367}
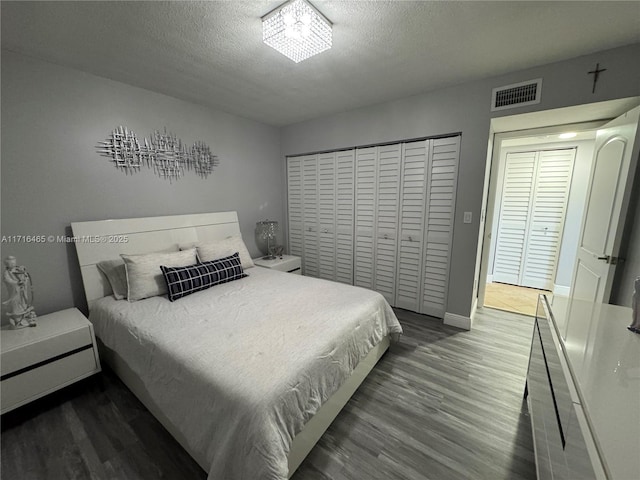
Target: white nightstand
{"x":288,"y":263}
{"x":36,"y":361}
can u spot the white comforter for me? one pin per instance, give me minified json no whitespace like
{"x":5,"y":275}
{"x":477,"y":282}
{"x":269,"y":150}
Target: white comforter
{"x":241,"y":367}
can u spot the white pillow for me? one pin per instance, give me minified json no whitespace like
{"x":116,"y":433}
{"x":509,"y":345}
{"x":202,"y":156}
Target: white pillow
{"x":144,"y":276}
{"x":116,"y":275}
{"x":223,"y":248}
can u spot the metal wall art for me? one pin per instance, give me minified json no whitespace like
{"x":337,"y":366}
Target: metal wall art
{"x":163,"y":152}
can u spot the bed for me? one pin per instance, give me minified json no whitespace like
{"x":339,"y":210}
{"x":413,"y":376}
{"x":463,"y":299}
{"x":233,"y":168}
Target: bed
{"x":246,"y":375}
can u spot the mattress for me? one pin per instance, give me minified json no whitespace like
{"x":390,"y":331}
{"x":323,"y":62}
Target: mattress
{"x":240,"y":368}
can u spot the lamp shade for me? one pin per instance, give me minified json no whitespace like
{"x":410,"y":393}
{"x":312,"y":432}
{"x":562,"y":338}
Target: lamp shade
{"x":266,"y":235}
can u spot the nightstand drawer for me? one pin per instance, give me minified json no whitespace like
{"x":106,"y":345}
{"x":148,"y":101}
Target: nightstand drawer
{"x":27,"y":386}
{"x":44,"y":349}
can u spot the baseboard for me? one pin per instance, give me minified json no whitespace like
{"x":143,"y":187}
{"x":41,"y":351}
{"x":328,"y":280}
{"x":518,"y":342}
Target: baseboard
{"x":474,"y":307}
{"x":490,"y":278}
{"x":561,"y":290}
{"x":456,"y":320}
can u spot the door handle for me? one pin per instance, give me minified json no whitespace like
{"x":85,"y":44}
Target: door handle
{"x":609,"y":259}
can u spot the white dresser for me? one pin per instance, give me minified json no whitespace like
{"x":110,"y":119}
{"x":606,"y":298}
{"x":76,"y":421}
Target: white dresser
{"x":36,"y":361}
{"x":583,"y":392}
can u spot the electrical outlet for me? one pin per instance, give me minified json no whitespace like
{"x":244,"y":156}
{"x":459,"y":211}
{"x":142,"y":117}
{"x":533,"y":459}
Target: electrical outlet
{"x":467,"y":217}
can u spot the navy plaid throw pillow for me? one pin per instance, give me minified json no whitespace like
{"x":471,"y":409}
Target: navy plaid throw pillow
{"x":182,"y":281}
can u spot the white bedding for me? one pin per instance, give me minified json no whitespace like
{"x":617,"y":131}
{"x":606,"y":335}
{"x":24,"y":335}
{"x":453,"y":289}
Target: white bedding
{"x":241,"y":367}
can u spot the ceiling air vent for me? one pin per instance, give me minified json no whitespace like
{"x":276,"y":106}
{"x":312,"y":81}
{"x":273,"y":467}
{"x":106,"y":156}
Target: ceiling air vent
{"x":516,"y":95}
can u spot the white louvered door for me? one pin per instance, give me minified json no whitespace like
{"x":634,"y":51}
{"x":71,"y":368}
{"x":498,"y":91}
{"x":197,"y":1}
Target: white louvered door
{"x":365,"y":220}
{"x":551,"y":193}
{"x":517,"y":196}
{"x":295,"y":205}
{"x":326,"y":215}
{"x":387,"y":204}
{"x":345,"y":204}
{"x":310,"y":258}
{"x":532,"y":213}
{"x":440,"y":212}
{"x":411,"y":225}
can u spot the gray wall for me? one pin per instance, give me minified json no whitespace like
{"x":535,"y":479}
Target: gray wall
{"x":52,"y":119}
{"x":627,"y":272}
{"x":466,"y":108}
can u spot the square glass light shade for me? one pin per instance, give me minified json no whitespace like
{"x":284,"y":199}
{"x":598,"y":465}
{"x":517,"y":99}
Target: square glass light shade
{"x":297,"y":30}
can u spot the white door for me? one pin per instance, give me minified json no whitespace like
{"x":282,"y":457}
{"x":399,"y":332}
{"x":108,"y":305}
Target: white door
{"x":532,"y":213}
{"x":345,"y":203}
{"x":517,"y":196}
{"x":310,"y":266}
{"x":365,"y":220}
{"x":295,"y":206}
{"x":387,"y":202}
{"x":326,"y":216}
{"x":415,"y":159}
{"x":440,"y":215}
{"x":548,"y":208}
{"x":603,"y":220}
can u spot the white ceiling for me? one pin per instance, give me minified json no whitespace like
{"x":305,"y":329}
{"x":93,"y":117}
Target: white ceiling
{"x":212,"y":53}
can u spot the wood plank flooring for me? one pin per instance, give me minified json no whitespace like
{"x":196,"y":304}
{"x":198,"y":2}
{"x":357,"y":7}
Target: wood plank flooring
{"x":443,"y":403}
{"x":513,"y":298}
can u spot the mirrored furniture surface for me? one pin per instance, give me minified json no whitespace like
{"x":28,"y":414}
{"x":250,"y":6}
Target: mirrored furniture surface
{"x":583,"y":389}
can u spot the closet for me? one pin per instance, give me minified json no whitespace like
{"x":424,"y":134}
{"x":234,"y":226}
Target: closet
{"x":532,"y":213}
{"x":378,"y":217}
{"x":321,"y":212}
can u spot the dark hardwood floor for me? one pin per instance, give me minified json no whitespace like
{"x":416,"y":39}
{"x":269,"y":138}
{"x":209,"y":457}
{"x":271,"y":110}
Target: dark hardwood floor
{"x":441,"y":404}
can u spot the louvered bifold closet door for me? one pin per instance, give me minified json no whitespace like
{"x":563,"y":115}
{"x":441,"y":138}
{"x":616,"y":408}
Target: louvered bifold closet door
{"x":310,"y":264}
{"x":548,"y":209}
{"x":365,"y":221}
{"x":327,"y":215}
{"x":345,"y":204}
{"x":294,"y":188}
{"x":440,"y":210}
{"x":387,"y":205}
{"x":411,"y":224}
{"x":517,"y":195}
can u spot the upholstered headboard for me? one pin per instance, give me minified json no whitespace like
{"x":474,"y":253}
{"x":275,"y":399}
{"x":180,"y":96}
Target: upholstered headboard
{"x":107,"y":239}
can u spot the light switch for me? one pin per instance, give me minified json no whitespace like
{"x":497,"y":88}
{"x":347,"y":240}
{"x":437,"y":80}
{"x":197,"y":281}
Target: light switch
{"x":467,"y":217}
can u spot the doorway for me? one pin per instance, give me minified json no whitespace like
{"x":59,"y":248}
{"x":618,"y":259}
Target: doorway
{"x":541,"y":188}
{"x":527,"y":132}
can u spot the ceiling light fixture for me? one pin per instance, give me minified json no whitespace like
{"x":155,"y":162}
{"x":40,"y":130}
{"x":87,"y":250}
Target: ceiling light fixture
{"x":297,"y":30}
{"x":567,"y":135}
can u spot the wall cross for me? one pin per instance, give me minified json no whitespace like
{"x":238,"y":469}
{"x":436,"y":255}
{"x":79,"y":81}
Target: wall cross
{"x":596,"y":73}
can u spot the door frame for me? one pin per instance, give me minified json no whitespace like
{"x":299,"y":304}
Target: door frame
{"x":580,"y":117}
{"x":490,"y":208}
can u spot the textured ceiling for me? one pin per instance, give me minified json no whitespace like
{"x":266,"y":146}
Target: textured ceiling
{"x":212,"y":53}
